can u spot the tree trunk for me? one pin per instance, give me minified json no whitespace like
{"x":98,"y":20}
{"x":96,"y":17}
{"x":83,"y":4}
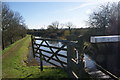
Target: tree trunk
{"x":11,"y":40}
{"x":3,"y":47}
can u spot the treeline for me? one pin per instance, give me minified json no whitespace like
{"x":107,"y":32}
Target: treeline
{"x":57,"y":30}
{"x":13,"y":26}
{"x":57,"y":33}
{"x":46,"y":33}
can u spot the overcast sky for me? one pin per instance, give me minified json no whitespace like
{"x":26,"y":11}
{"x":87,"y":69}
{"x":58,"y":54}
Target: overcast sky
{"x":40,"y":14}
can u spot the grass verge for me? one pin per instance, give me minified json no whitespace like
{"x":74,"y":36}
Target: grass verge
{"x":14,"y":66}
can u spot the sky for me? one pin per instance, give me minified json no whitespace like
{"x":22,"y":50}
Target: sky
{"x":41,"y":14}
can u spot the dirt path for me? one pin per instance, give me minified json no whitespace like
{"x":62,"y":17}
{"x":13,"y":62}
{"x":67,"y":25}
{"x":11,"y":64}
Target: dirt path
{"x":10,"y":51}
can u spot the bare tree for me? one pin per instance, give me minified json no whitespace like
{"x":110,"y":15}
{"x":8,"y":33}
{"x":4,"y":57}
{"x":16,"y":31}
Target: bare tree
{"x":54,"y":25}
{"x":70,"y":26}
{"x":12,"y":25}
{"x":106,"y":18}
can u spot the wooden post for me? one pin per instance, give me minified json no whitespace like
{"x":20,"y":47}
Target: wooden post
{"x":41,"y":63}
{"x":32,"y":41}
{"x":3,"y":47}
{"x":69,"y":57}
{"x":81,"y":57}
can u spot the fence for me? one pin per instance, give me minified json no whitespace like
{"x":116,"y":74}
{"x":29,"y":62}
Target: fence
{"x":74,"y":55}
{"x":74,"y":65}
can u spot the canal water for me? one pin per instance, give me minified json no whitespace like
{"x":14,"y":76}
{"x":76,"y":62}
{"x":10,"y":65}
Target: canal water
{"x":89,"y":63}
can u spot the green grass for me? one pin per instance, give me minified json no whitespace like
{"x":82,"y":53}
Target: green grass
{"x":13,"y":64}
{"x":9,"y":47}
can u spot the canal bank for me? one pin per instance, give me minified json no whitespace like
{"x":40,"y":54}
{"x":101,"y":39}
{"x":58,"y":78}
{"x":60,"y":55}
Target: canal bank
{"x":14,"y":63}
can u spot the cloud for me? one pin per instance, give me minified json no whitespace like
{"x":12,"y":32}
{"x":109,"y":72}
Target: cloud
{"x":87,"y":3}
{"x":81,"y":6}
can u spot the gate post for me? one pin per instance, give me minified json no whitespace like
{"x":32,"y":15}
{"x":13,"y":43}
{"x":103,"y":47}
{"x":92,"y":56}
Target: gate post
{"x":70,"y":49}
{"x":32,"y":41}
{"x":41,"y":60}
{"x":81,"y":57}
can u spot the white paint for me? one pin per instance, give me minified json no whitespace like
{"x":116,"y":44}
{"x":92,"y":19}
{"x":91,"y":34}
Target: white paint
{"x":100,"y":39}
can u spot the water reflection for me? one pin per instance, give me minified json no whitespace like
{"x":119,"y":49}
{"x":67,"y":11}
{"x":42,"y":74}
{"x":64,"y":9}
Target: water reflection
{"x":55,"y":43}
{"x":89,"y":63}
